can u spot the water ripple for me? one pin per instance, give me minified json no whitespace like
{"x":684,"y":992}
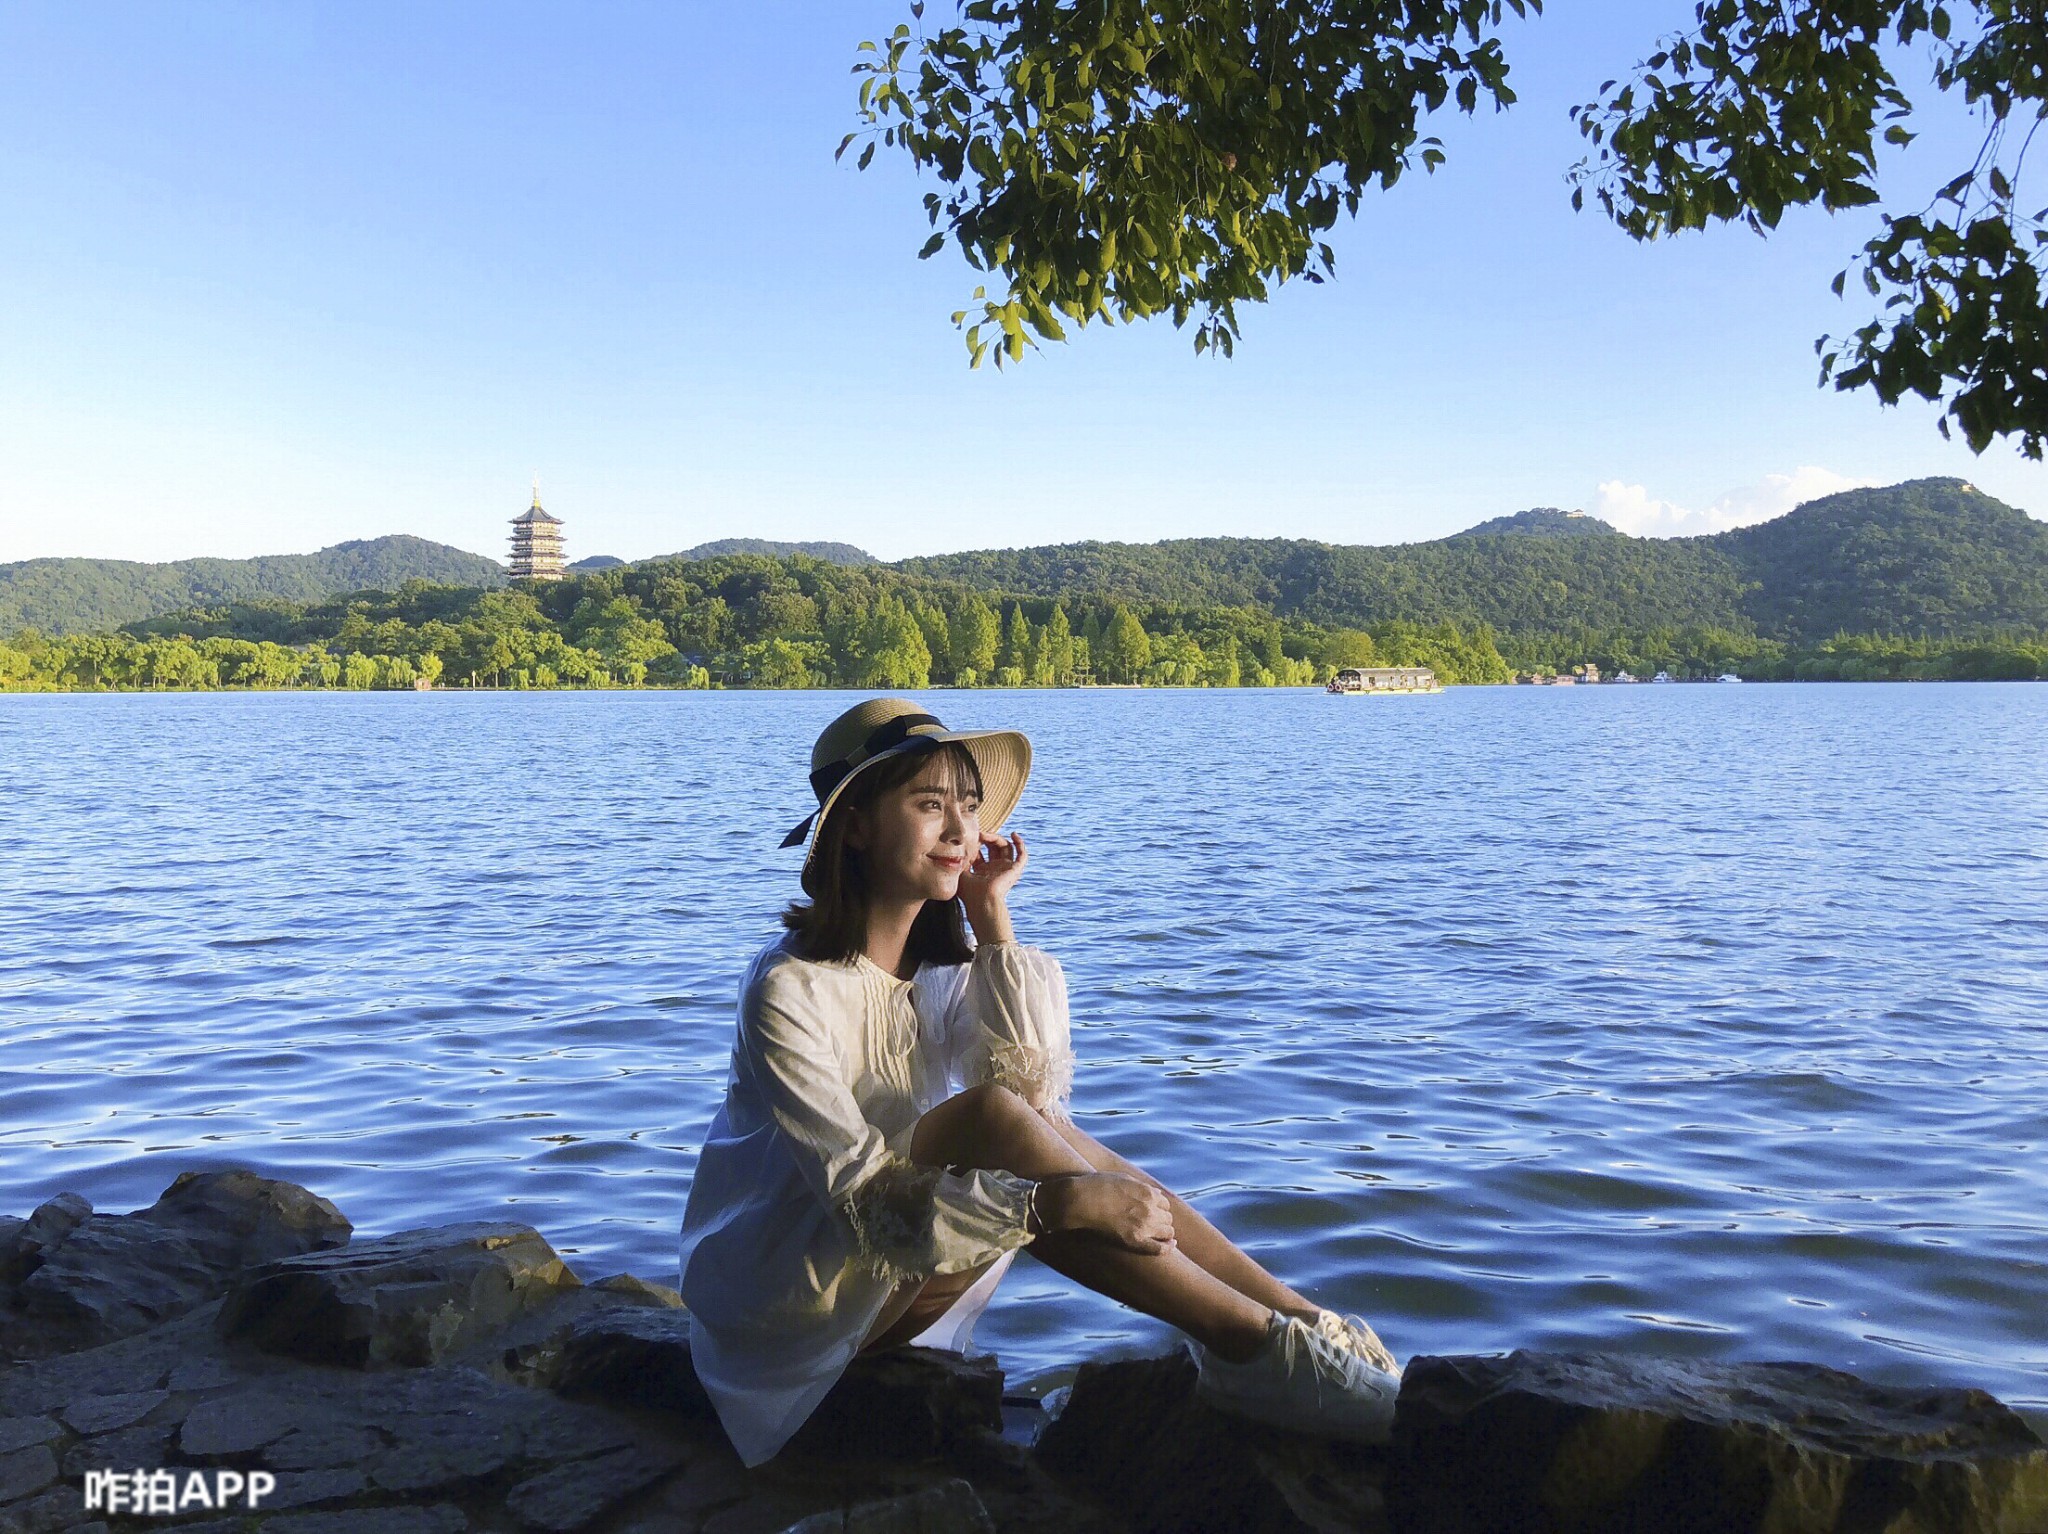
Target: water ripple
{"x":1699,"y":1021}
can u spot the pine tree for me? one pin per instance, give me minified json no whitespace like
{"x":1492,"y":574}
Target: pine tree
{"x":974,"y":634}
{"x":1059,"y":647}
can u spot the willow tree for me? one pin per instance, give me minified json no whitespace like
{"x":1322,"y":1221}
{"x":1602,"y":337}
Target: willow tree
{"x":1114,"y":160}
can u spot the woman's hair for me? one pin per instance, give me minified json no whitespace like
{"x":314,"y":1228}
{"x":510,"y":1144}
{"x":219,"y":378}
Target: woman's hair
{"x":834,"y":925}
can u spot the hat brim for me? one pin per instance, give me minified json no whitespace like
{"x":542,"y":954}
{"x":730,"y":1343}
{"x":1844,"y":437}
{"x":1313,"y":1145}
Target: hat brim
{"x":1003,"y":757}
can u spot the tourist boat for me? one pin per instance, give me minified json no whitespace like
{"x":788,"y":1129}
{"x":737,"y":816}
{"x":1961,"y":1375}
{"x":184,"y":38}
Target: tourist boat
{"x":1623,"y":676}
{"x":1727,"y":676}
{"x":1383,"y":679}
{"x":1662,"y":676}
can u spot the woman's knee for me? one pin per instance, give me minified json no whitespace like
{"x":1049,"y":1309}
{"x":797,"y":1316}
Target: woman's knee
{"x":975,"y":1120}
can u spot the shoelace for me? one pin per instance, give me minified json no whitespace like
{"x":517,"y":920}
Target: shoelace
{"x":1353,"y":1335}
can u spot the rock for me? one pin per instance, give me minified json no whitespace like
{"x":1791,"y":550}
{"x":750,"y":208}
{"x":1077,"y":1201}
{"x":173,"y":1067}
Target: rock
{"x":570,"y":1496}
{"x":309,"y":1488}
{"x":438,"y":1518}
{"x":23,"y":1432}
{"x":323,"y":1446}
{"x":113,"y":1276}
{"x":1134,"y":1435}
{"x":147,"y":1445}
{"x":1590,"y":1443}
{"x":24,"y":1244}
{"x":229,"y":1427}
{"x":904,"y":1404}
{"x":102,"y":1414}
{"x":951,"y":1507}
{"x":59,"y":1508}
{"x":643,"y":1291}
{"x":26,"y":1471}
{"x":633,"y":1355}
{"x":402,"y":1300}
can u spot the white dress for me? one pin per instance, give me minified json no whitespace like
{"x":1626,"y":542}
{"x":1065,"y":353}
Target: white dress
{"x":806,"y":1211}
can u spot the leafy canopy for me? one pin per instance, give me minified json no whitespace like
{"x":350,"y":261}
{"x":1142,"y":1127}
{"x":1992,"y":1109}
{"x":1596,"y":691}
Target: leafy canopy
{"x":1117,"y":159}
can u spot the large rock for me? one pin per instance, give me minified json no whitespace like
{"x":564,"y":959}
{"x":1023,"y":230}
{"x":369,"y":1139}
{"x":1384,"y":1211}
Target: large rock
{"x":903,"y":1404}
{"x":402,"y":1300}
{"x":635,"y":1356}
{"x":26,"y":1244}
{"x":1589,"y":1443}
{"x":1134,"y":1435}
{"x":91,"y":1279}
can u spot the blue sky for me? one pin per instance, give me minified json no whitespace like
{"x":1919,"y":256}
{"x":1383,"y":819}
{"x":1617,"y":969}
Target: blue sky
{"x":280,"y":275}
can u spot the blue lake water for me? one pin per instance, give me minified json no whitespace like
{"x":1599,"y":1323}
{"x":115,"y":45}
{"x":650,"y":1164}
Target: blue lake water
{"x":1695,"y":1020}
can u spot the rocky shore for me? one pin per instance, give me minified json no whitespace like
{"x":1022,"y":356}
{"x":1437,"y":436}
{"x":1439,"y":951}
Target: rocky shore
{"x":233,"y":1344}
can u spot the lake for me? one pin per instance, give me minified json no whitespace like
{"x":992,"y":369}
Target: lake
{"x":1693,"y":1020}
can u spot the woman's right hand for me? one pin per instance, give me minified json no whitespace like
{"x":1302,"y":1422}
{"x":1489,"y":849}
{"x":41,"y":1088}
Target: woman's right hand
{"x":1129,"y":1210}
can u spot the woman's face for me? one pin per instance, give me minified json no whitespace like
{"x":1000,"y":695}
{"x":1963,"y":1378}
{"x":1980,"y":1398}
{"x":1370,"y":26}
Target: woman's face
{"x":917,"y":838}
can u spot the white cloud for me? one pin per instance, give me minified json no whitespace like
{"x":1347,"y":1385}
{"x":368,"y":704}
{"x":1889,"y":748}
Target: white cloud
{"x":1632,"y":508}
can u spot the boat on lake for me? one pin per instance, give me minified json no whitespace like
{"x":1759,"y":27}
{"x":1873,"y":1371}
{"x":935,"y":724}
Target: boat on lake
{"x":1727,"y":676}
{"x":1383,"y":679}
{"x":1662,"y":676}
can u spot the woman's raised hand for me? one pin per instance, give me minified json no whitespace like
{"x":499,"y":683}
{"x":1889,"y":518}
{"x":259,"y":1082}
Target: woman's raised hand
{"x":1129,"y":1210}
{"x":991,"y":873}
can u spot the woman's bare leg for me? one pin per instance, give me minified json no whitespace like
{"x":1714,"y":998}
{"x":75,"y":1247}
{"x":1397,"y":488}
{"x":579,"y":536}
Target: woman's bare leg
{"x":991,"y":1127}
{"x":1215,"y":1252}
{"x":913,"y":1307}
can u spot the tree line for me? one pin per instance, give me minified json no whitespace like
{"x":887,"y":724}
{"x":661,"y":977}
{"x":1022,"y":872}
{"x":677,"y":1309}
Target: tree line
{"x":732,"y":621}
{"x":797,"y":621}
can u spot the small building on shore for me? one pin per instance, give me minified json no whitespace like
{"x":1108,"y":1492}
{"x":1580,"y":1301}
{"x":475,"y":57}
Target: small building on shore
{"x":536,"y":543}
{"x":1383,"y":679}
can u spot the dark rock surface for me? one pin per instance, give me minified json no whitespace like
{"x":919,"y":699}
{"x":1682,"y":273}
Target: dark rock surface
{"x":86,"y":1278}
{"x":399,"y":1301}
{"x":1599,"y":1444}
{"x":463,"y":1379}
{"x":1134,"y":1435}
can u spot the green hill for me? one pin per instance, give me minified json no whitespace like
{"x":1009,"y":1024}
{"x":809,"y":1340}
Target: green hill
{"x":831,"y":553}
{"x":62,"y":596}
{"x":1932,"y":556}
{"x":1935,"y":556}
{"x":1510,"y":582}
{"x":1544,"y":522}
{"x":1929,"y":556}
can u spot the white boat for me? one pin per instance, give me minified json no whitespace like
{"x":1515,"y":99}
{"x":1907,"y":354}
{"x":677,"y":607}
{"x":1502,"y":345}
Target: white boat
{"x":1662,"y":676}
{"x":1727,"y":676}
{"x":1383,"y":679}
{"x":1622,"y":676}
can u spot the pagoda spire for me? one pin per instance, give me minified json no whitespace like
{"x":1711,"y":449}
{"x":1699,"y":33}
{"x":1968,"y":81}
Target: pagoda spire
{"x":536,"y":542}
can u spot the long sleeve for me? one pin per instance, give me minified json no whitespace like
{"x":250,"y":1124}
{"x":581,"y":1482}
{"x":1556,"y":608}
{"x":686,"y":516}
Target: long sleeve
{"x":1010,"y":1027}
{"x":906,"y":1220}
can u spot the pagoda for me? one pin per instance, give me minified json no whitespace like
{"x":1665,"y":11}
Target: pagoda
{"x":536,"y":543}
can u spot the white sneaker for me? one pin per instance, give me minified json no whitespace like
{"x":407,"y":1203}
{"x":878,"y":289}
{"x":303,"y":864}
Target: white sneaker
{"x":1351,"y":1332}
{"x":1302,"y":1378}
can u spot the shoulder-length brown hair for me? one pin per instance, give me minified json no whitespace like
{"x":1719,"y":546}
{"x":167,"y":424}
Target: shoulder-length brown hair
{"x":834,"y":924}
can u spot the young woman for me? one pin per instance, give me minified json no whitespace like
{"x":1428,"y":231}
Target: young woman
{"x":895,"y":1125}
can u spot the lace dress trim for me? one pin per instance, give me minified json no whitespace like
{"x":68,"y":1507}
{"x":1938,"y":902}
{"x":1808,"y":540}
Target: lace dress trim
{"x":1043,"y":1077}
{"x":891,"y":1215}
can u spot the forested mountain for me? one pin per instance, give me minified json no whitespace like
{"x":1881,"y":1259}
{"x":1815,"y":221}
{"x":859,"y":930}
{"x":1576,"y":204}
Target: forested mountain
{"x":831,"y":553}
{"x":1929,"y":580}
{"x":1929,"y":556}
{"x":1509,"y":580}
{"x":1935,"y":556}
{"x":63,"y":596}
{"x":1544,"y":522}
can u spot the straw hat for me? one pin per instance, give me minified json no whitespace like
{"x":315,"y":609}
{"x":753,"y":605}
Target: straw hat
{"x":877,"y":728}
